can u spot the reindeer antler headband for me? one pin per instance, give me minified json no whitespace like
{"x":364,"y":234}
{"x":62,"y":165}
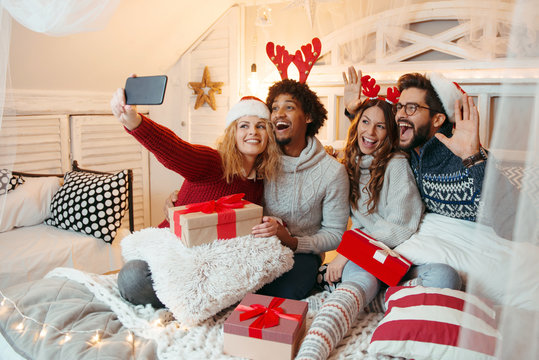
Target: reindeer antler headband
{"x":280,"y":57}
{"x":371,"y":90}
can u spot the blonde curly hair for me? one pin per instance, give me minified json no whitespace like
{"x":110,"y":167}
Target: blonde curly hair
{"x":267,"y":164}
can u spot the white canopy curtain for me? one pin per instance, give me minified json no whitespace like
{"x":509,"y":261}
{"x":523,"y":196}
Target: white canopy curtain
{"x":51,"y":17}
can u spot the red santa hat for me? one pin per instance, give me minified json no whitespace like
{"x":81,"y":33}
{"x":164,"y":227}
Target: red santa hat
{"x":248,"y":106}
{"x":447,"y":91}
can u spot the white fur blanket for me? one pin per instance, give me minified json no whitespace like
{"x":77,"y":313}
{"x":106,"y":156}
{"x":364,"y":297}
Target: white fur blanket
{"x":196,"y":283}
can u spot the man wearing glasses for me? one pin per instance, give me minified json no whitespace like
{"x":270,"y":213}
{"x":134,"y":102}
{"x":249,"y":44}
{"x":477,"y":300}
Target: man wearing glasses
{"x":448,"y":164}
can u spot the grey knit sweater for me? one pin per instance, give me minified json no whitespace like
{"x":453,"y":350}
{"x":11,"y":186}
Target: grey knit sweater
{"x":311,"y":196}
{"x":399,"y":209}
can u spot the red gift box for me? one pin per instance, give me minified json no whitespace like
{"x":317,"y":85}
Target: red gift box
{"x":224,"y":218}
{"x":373,"y":256}
{"x":265,"y":327}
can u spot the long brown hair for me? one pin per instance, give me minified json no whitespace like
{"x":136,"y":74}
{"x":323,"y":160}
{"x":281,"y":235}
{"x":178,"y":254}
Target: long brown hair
{"x":267,"y":164}
{"x":384,"y":153}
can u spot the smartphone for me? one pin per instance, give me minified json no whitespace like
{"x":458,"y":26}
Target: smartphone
{"x":145,"y":90}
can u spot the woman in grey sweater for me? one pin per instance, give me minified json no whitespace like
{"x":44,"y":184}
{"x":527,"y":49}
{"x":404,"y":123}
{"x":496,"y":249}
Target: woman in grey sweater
{"x":385,"y":203}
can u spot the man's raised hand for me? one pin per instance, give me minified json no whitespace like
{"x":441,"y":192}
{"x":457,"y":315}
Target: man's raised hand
{"x":465,"y":140}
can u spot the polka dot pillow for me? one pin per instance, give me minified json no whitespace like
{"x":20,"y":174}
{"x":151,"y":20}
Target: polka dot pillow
{"x":93,"y":204}
{"x":430,"y":323}
{"x":8,"y":181}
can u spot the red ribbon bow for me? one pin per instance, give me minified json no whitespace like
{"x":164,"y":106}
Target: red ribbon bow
{"x":220,"y":205}
{"x":226,"y":227}
{"x":267,"y":316}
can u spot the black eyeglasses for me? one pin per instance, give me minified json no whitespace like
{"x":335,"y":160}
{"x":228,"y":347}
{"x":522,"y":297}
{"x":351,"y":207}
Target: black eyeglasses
{"x":410,"y":108}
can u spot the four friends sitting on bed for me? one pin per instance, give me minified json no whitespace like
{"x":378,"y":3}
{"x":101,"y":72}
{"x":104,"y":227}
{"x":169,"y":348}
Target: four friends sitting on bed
{"x":311,"y":192}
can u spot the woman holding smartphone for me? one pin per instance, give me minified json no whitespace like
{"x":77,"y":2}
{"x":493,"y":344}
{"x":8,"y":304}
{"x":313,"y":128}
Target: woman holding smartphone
{"x":246,"y":154}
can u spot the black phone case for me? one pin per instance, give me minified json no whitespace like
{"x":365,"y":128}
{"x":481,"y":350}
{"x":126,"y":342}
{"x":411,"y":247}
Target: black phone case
{"x":145,"y":90}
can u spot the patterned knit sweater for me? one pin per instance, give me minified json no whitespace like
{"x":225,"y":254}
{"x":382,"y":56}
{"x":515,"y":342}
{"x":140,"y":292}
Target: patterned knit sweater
{"x":200,"y":166}
{"x":446,"y":186}
{"x":399,"y":207}
{"x":311,"y":196}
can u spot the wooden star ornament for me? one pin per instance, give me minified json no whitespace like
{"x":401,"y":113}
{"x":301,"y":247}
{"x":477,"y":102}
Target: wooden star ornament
{"x":199,"y":88}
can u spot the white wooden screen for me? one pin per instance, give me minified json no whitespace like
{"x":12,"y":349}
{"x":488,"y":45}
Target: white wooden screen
{"x":38,"y":144}
{"x":99,"y":142}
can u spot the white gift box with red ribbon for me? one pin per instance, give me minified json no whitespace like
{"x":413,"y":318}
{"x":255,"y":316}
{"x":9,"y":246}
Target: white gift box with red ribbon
{"x":373,"y":256}
{"x":224,"y":218}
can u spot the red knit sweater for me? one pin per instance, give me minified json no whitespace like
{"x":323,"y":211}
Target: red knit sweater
{"x":199,"y":165}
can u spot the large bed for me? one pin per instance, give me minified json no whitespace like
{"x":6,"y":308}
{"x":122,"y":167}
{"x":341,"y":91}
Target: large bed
{"x":31,"y":243}
{"x":60,"y":316}
{"x":29,"y":253}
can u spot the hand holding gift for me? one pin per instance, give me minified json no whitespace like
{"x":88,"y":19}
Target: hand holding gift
{"x":225,"y":218}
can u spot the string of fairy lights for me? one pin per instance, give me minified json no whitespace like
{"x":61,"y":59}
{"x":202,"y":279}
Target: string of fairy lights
{"x":96,"y":335}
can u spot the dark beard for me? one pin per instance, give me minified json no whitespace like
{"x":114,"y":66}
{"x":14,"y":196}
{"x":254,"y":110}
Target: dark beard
{"x":421,"y":135}
{"x":283,"y":142}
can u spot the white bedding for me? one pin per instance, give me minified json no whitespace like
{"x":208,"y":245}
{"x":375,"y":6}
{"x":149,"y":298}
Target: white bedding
{"x":28,"y":253}
{"x":486,"y":261}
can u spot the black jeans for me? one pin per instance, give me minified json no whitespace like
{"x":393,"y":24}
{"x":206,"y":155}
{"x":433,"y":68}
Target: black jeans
{"x":298,"y":282}
{"x":136,"y":285}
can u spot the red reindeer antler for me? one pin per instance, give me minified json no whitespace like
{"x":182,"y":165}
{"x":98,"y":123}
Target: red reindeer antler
{"x":393,"y":95}
{"x":370,"y":89}
{"x":305,"y":66}
{"x":281,"y":58}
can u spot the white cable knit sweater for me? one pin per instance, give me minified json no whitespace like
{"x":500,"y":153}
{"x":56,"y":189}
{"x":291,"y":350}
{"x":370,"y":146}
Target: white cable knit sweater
{"x":399,"y":209}
{"x":311,"y":196}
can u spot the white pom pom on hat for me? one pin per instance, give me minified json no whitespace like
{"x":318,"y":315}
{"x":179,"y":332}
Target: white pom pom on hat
{"x":447,"y":91}
{"x":248,"y":106}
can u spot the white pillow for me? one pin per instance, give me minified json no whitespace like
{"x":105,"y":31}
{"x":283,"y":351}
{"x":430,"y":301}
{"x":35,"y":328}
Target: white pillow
{"x":430,"y":323}
{"x":29,"y":204}
{"x":196,"y":283}
{"x":503,"y":271}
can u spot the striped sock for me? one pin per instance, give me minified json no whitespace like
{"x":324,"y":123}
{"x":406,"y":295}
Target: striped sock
{"x":332,"y":322}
